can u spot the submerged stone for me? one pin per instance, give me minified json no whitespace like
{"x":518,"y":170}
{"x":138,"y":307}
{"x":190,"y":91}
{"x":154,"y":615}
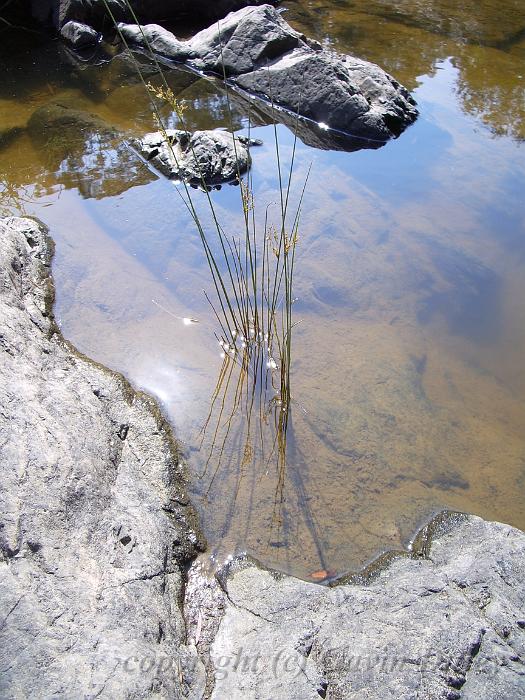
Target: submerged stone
{"x":60,"y":120}
{"x":7,"y":136}
{"x":205,"y":158}
{"x":84,"y":151}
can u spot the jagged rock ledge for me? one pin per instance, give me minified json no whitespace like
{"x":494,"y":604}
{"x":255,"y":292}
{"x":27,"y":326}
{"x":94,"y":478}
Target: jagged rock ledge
{"x":96,"y":532}
{"x":96,"y":527}
{"x":258,"y":53}
{"x":446,"y":623}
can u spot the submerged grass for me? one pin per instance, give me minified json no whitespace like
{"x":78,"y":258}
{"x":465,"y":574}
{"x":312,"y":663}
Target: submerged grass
{"x":252,"y":274}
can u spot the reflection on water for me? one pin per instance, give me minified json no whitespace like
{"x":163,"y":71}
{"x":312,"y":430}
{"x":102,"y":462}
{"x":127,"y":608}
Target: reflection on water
{"x":485,"y":39}
{"x":245,"y":440}
{"x":408,"y":381}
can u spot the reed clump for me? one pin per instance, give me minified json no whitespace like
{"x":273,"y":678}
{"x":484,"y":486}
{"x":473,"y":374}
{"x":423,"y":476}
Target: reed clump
{"x":252,"y":273}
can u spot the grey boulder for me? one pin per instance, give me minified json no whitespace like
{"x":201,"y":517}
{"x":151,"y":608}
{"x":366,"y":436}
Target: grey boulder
{"x":95,"y":524}
{"x":202,"y":158}
{"x":246,"y":40}
{"x":443,"y":626}
{"x":79,"y":35}
{"x":258,"y":53}
{"x":344,"y":94}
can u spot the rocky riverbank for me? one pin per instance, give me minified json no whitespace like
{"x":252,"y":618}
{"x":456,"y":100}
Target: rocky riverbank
{"x":96,"y":527}
{"x":445,"y":624}
{"x":97,"y":532}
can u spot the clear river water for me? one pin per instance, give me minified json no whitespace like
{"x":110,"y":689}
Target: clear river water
{"x":408,"y":360}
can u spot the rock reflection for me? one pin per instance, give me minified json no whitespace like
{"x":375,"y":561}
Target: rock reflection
{"x":83,"y":152}
{"x":408,"y":38}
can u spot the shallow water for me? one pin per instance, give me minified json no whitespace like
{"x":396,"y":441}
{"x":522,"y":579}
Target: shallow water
{"x":408,"y":378}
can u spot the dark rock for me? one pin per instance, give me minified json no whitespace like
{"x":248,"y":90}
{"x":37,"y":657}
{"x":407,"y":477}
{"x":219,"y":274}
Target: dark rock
{"x":57,"y":13}
{"x":94,"y":12}
{"x":7,"y":136}
{"x":58,"y":120}
{"x":308,"y":131}
{"x":79,"y":35}
{"x":261,"y":55}
{"x":205,"y":158}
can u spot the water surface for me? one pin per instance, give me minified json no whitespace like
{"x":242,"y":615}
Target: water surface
{"x":408,"y":375}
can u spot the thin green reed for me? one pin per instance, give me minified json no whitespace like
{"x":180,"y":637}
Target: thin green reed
{"x":259,"y":266}
{"x":188,"y":201}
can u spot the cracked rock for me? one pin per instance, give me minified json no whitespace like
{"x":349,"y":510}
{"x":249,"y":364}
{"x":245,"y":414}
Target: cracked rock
{"x":447,"y":626}
{"x":91,"y":565}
